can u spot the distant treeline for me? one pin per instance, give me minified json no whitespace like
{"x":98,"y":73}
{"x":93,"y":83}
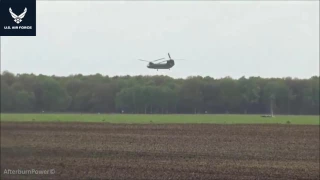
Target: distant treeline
{"x":158,"y":94}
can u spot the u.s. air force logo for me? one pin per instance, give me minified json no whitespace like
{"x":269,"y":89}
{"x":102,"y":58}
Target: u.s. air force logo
{"x":19,"y":18}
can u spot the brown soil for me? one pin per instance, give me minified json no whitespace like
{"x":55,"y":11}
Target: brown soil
{"x":110,"y":151}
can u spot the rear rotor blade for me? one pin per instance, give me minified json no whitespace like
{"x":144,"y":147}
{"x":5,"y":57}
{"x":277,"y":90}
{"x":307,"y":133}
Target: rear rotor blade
{"x":169,"y":56}
{"x":157,"y":60}
{"x":143,"y":60}
{"x":161,"y":61}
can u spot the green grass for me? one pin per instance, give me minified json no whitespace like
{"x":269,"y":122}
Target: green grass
{"x":161,"y":119}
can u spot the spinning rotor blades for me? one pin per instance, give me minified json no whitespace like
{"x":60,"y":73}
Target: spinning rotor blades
{"x":157,"y":60}
{"x":162,"y":61}
{"x":144,"y":60}
{"x":151,"y":61}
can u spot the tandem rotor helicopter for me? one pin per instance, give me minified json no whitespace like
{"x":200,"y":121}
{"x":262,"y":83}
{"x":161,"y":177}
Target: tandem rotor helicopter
{"x":161,"y":65}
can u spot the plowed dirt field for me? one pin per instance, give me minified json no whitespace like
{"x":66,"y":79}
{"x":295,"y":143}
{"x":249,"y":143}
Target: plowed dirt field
{"x":175,"y":151}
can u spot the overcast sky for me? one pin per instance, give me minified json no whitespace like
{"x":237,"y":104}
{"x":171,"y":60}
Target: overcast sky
{"x":218,"y":39}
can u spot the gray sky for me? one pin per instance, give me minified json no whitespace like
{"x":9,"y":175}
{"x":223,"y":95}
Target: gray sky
{"x":218,"y":39}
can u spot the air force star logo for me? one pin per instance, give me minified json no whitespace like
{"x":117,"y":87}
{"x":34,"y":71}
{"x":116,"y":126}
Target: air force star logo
{"x":16,"y":18}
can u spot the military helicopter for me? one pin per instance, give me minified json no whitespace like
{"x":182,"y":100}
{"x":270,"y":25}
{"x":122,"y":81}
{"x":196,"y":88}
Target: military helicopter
{"x":160,"y":65}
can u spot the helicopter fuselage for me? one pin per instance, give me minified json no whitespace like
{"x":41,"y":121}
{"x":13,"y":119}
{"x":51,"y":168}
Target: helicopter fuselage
{"x":168,"y":65}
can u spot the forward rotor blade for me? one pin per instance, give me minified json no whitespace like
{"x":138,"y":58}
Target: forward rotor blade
{"x":169,"y":56}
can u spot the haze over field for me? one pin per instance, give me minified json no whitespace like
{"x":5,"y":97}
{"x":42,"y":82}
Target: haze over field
{"x":218,"y":39}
